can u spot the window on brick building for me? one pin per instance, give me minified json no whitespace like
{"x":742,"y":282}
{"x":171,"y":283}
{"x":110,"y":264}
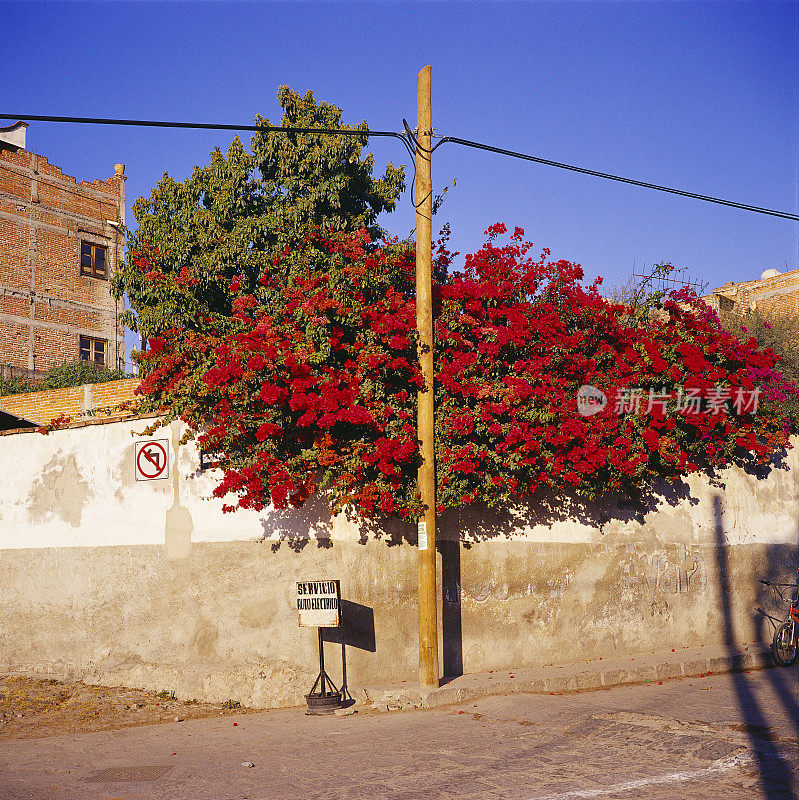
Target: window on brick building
{"x":93,"y":260}
{"x":93,"y":350}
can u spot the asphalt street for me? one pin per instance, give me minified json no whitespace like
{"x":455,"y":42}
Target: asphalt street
{"x":722,"y":736}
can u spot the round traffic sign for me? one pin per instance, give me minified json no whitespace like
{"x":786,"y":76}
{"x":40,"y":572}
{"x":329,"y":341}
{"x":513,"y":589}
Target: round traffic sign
{"x":151,"y":460}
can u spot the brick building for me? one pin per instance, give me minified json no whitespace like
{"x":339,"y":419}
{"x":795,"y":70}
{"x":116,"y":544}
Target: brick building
{"x":59,"y":243}
{"x":774,"y":293}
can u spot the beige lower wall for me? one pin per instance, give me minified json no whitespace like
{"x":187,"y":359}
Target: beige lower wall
{"x":93,"y":586}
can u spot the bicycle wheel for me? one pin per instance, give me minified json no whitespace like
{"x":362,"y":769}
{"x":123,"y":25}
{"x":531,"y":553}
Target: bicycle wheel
{"x":783,"y":646}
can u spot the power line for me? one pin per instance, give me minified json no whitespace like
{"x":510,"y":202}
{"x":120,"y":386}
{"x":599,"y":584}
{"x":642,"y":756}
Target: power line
{"x":608,"y":176}
{"x":412,"y":145}
{"x":212,"y":126}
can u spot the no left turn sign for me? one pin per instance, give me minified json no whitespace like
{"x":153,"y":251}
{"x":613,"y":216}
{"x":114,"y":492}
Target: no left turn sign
{"x":152,"y":460}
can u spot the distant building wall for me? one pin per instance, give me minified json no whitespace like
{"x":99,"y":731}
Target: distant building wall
{"x":774,"y":293}
{"x":59,"y":244}
{"x":120,"y":581}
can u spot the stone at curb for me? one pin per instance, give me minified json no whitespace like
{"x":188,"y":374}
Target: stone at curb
{"x":694,"y":668}
{"x":665,"y":671}
{"x":433,"y":698}
{"x":346,"y":712}
{"x":719,"y":664}
{"x":619,"y":677}
{"x":559,"y":683}
{"x":752,"y":660}
{"x":758,"y":660}
{"x":585,"y":680}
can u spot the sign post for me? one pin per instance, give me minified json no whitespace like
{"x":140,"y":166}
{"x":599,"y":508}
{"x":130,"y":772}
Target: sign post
{"x":318,"y":605}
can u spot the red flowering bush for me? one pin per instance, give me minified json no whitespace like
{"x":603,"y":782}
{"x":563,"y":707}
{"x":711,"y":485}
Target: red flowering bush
{"x":517,"y":337}
{"x":311,"y":384}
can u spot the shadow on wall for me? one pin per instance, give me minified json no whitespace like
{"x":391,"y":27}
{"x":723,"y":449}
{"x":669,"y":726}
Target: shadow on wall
{"x":774,"y":772}
{"x":356,"y":629}
{"x":297,"y":527}
{"x":467,"y":527}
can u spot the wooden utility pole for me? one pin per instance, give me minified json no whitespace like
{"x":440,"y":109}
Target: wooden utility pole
{"x":428,"y":617}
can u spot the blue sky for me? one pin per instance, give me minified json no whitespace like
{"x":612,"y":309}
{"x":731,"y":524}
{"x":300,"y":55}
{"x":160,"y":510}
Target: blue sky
{"x":698,"y":96}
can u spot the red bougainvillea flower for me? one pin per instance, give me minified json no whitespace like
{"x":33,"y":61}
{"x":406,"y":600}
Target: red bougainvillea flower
{"x":310,"y":385}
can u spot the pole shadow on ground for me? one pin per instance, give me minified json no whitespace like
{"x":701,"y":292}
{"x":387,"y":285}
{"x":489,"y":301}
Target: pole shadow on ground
{"x":774,"y":772}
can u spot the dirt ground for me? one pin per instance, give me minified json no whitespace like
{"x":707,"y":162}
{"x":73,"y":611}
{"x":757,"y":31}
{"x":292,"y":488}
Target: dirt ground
{"x":32,"y":708}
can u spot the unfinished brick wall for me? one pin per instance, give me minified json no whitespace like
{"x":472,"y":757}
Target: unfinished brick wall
{"x":775,"y":294}
{"x":46,"y":304}
{"x":96,"y":399}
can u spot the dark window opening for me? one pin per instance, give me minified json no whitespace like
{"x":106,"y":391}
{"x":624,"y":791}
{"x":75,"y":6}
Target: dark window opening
{"x":93,"y":260}
{"x":92,"y":350}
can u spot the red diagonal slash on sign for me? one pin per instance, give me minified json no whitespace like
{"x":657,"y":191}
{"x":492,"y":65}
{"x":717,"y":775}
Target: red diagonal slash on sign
{"x":150,"y":458}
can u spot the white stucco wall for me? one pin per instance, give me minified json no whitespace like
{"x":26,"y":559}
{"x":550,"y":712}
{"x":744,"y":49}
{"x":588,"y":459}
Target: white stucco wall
{"x":77,"y":488}
{"x":147,"y":583}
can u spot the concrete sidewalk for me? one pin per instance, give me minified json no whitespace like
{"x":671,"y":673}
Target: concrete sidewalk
{"x":554,"y":678}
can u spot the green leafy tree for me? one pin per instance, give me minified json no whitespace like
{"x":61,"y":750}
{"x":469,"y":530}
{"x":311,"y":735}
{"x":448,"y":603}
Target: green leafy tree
{"x":239,"y":218}
{"x":77,"y":373}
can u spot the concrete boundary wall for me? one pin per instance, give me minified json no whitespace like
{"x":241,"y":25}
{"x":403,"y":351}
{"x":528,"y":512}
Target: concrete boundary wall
{"x":146,"y":583}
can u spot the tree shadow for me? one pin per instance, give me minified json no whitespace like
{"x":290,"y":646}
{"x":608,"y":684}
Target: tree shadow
{"x":298,"y":527}
{"x":775,"y":773}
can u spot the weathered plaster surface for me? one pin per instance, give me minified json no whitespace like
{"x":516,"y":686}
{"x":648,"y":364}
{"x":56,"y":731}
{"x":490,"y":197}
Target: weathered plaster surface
{"x":59,"y":490}
{"x":115,"y":580}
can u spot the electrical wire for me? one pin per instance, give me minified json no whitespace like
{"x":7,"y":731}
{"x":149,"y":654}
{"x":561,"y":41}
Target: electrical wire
{"x":608,"y":176}
{"x":212,"y":126}
{"x":421,"y":150}
{"x":413,"y":146}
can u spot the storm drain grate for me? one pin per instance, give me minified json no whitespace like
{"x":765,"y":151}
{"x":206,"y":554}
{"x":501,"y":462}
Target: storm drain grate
{"x":131,"y":773}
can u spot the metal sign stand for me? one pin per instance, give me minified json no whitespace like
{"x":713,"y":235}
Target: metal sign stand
{"x":328,"y":698}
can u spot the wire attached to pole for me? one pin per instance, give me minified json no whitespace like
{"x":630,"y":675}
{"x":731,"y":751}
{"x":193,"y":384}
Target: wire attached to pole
{"x":413,"y":146}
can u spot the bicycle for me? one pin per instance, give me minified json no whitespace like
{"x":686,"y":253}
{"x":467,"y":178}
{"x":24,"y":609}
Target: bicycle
{"x":785,"y":644}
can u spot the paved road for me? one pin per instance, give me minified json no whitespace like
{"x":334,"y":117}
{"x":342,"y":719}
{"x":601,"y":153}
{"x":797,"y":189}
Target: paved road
{"x":724,"y":736}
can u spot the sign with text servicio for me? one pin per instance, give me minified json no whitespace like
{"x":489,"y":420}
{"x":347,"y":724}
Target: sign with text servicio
{"x":318,"y":603}
{"x":151,"y":460}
